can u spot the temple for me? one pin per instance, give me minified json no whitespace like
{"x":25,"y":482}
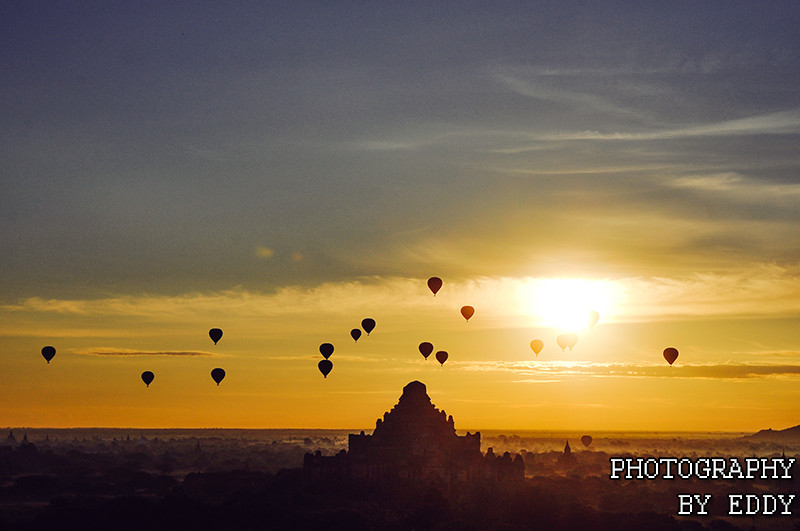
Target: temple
{"x":415,"y":441}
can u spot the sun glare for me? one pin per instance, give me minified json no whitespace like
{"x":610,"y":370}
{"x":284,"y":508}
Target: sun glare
{"x":570,"y":304}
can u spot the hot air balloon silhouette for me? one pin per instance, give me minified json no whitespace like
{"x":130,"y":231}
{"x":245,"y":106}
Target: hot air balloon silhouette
{"x":586,"y":440}
{"x":147,"y":378}
{"x":48,"y":352}
{"x":593,"y":318}
{"x":567,"y":340}
{"x":434,"y":284}
{"x":326,"y":349}
{"x":355,"y":333}
{"x":425,"y":349}
{"x":441,"y":356}
{"x":368,"y":325}
{"x":537,"y":345}
{"x":217,"y":375}
{"x":670,"y":354}
{"x":215,"y":334}
{"x":467,"y":312}
{"x":325,"y":367}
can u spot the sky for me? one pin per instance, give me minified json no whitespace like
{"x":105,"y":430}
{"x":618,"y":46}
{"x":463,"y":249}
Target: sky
{"x":283,"y":170}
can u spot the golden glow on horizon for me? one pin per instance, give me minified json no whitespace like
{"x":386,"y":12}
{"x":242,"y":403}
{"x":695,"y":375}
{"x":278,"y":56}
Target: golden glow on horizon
{"x":492,"y":379}
{"x":566,"y":304}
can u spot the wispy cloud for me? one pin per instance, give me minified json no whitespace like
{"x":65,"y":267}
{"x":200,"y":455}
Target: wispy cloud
{"x":787,"y":122}
{"x":738,"y":186}
{"x":124,"y":352}
{"x":764,"y":290}
{"x":778,"y":123}
{"x":544,"y":371}
{"x":568,"y":97}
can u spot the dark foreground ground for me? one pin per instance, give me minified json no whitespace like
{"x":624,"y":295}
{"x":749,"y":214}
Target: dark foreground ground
{"x":191,"y":483}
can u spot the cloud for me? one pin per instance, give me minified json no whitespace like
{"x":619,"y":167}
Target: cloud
{"x":544,"y":371}
{"x":787,"y":122}
{"x":777,"y":123}
{"x":764,"y":290}
{"x":739,"y":187}
{"x":568,"y":97}
{"x":124,"y":352}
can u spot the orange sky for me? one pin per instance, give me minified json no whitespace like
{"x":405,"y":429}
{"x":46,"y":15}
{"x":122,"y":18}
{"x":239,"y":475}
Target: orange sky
{"x":735,"y":370}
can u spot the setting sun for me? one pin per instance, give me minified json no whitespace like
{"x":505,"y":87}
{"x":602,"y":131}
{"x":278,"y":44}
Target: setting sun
{"x":570,"y":304}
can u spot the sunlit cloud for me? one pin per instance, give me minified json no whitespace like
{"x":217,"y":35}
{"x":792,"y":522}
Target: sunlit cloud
{"x":761,"y":290}
{"x":552,"y":371}
{"x":738,"y":186}
{"x":123,"y":352}
{"x":500,"y":302}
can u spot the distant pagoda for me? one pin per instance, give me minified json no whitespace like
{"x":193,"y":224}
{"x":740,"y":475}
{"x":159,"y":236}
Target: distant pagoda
{"x":415,"y":441}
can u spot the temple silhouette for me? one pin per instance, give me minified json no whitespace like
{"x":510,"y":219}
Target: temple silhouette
{"x":415,"y":441}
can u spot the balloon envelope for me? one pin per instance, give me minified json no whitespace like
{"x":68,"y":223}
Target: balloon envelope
{"x":217,"y":375}
{"x":48,"y":352}
{"x":326,"y":349}
{"x":215,"y":334}
{"x":593,"y":318}
{"x":567,"y":340}
{"x":441,"y":356}
{"x":537,"y":345}
{"x":368,"y":325}
{"x":355,"y":333}
{"x":670,"y":354}
{"x":467,"y":312}
{"x":586,"y":440}
{"x":325,"y":367}
{"x":425,"y":349}
{"x":434,"y":284}
{"x":147,"y":378}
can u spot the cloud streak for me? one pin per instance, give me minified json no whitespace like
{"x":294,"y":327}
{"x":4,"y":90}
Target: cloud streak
{"x":764,"y":291}
{"x":123,"y":352}
{"x":546,"y":372}
{"x":787,"y":122}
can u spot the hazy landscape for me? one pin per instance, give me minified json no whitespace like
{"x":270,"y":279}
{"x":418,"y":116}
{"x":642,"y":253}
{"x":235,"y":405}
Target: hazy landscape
{"x":252,"y":479}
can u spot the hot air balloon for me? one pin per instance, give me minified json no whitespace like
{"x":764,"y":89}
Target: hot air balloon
{"x":217,"y":375}
{"x":467,"y":312}
{"x":586,"y":440}
{"x":215,"y":334}
{"x":368,"y":325}
{"x":670,"y":354}
{"x":593,"y":318}
{"x":537,"y":345}
{"x":147,"y":378}
{"x":434,"y":284}
{"x":567,"y":340}
{"x":441,"y":356}
{"x":355,"y":333}
{"x":425,"y":349}
{"x":48,"y":352}
{"x":325,"y":367}
{"x":326,"y":349}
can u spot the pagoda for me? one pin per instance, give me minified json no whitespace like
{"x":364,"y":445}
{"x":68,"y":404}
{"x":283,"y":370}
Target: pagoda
{"x":415,"y":440}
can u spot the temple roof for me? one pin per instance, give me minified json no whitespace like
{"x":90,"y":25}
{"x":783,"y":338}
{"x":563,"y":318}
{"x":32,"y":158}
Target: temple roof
{"x":414,"y":421}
